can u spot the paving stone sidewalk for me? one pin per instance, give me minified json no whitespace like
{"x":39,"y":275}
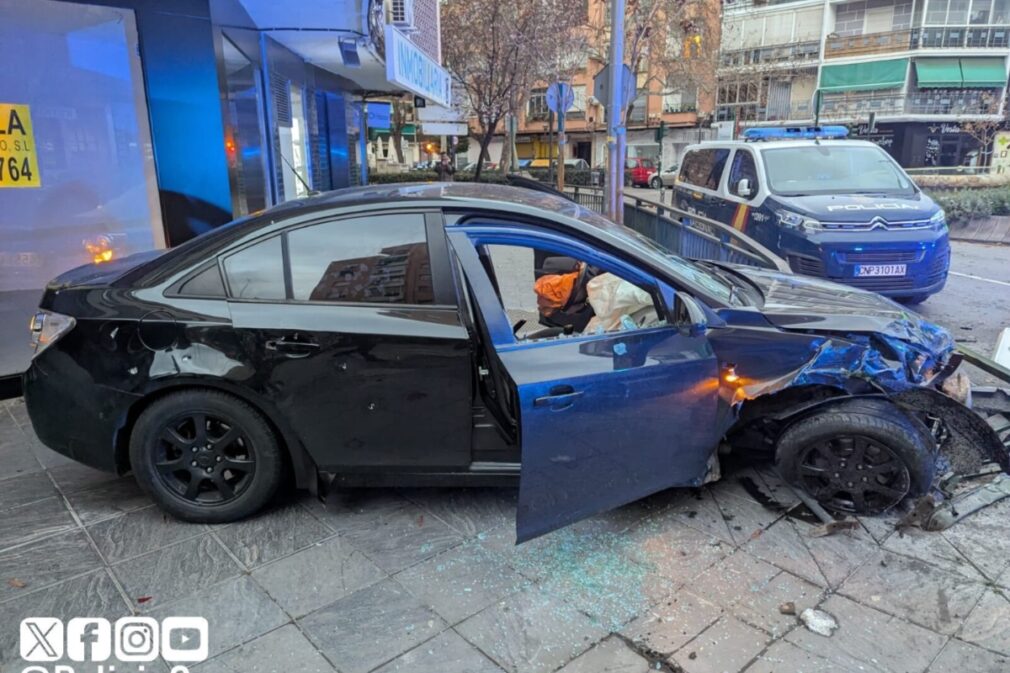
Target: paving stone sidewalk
{"x":430,"y":580}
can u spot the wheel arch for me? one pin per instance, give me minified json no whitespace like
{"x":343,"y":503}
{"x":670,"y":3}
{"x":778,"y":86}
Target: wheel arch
{"x":303,"y":467}
{"x":762,"y":420}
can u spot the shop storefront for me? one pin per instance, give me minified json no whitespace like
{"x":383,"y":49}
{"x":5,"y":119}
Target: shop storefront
{"x":924,"y":144}
{"x":131,"y":125}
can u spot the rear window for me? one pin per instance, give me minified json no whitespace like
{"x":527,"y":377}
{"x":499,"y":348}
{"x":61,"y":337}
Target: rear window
{"x":703,"y":168}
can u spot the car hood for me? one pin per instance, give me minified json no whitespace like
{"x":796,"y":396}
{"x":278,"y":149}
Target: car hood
{"x":811,"y":304}
{"x":860,"y":208}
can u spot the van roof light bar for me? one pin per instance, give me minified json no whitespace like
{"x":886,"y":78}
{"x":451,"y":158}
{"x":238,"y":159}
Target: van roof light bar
{"x":796,"y":133}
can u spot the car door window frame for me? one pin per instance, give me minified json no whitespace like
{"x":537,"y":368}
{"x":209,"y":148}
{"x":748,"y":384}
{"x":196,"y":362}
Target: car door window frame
{"x":435,"y":241}
{"x":481,"y":232}
{"x":720,"y":186}
{"x":758,"y":187}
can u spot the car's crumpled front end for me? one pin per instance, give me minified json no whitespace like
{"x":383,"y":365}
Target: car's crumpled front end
{"x":860,"y":343}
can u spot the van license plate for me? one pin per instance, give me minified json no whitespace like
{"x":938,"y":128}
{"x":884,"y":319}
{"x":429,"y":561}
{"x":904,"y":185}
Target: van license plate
{"x":864,"y":270}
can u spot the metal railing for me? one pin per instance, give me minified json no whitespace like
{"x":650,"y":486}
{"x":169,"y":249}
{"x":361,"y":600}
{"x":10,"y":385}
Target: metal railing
{"x":936,"y":37}
{"x":870,"y":43}
{"x":688,"y":235}
{"x":794,"y":53}
{"x":973,"y":37}
{"x":859,"y":106}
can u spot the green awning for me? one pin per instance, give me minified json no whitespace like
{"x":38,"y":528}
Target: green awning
{"x":938,"y":73}
{"x":983,"y":73}
{"x":889,"y":74}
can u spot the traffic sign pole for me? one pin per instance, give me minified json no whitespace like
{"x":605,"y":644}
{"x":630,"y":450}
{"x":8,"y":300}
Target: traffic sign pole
{"x":560,"y":97}
{"x":615,"y":105}
{"x":561,"y":143}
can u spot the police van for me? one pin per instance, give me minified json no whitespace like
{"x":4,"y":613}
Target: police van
{"x":834,"y":208}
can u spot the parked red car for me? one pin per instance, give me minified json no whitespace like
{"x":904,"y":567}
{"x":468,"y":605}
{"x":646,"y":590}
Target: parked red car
{"x":641,"y":170}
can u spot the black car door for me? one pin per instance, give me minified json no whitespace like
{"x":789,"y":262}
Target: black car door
{"x":355,"y":337}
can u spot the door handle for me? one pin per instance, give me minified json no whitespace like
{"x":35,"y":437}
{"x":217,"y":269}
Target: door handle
{"x":292,"y":347}
{"x":558,"y":397}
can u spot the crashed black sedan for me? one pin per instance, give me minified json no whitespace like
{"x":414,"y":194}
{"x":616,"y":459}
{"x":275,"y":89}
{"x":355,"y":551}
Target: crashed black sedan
{"x":455,"y":334}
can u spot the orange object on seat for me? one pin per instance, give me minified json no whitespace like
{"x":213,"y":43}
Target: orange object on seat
{"x":554,"y":290}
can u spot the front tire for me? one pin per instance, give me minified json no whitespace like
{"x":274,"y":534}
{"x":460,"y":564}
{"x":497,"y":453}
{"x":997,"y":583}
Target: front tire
{"x":857,"y":457}
{"x":205,"y":456}
{"x":913,"y":300}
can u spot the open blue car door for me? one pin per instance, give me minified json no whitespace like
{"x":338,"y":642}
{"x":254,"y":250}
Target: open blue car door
{"x":605,"y":418}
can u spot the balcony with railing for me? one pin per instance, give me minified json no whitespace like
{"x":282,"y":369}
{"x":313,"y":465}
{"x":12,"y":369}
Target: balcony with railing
{"x":856,"y":106}
{"x":799,"y":53}
{"x":738,"y":4}
{"x":870,"y":43}
{"x":944,"y":37}
{"x":965,"y":37}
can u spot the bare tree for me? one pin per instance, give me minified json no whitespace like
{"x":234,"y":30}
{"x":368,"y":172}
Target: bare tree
{"x":497,"y":50}
{"x":671,"y":45}
{"x":984,"y":131}
{"x":398,"y":120}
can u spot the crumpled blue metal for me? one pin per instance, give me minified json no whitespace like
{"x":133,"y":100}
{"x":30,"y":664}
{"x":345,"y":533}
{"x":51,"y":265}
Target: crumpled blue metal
{"x":895,"y":359}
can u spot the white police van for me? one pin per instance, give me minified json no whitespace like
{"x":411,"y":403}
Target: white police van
{"x":834,"y":208}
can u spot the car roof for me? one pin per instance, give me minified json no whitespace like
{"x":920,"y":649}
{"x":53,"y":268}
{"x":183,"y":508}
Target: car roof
{"x":403,"y":193}
{"x":777,"y":144}
{"x":473,"y":196}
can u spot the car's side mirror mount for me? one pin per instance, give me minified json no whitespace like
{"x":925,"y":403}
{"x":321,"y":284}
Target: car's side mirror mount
{"x":743,"y":188}
{"x":697,"y":321}
{"x":684,"y":311}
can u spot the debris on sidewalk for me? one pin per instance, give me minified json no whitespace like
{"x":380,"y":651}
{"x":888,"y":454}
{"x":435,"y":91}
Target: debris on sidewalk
{"x":956,"y":500}
{"x":819,"y":622}
{"x":787,"y":608}
{"x":832,"y":527}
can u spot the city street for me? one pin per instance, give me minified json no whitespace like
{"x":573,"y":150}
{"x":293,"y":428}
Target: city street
{"x":704,"y":581}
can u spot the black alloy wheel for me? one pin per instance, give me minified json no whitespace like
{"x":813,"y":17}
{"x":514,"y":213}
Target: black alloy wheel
{"x":852,"y":473}
{"x":206,"y":456}
{"x":205,"y":459}
{"x":858,"y":455}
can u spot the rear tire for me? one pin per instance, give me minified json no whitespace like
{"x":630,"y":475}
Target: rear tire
{"x":205,"y":456}
{"x":857,"y":457}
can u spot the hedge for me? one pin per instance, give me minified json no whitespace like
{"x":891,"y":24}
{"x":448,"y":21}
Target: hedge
{"x":964,"y":205}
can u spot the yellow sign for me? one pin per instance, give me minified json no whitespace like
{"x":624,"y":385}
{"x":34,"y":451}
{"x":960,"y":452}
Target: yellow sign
{"x":19,"y":160}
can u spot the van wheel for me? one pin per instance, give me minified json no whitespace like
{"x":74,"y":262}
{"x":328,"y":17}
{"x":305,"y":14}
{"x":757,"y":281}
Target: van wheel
{"x":656,"y":183}
{"x":205,"y":456}
{"x":859,"y":457}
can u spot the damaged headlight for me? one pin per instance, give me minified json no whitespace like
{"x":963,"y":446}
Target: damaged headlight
{"x":793,"y":220}
{"x":938,"y":220}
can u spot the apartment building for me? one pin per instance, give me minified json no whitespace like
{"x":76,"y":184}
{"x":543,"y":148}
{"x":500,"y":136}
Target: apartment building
{"x":683,"y":103}
{"x":914,"y":76}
